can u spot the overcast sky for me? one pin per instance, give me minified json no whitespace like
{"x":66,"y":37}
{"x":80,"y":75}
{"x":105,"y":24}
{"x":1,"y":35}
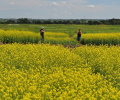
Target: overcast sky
{"x":60,"y":9}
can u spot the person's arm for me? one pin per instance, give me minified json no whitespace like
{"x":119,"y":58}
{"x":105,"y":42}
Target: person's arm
{"x":42,"y":31}
{"x":81,"y":32}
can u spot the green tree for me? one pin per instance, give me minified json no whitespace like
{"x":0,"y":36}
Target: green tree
{"x":23,"y":21}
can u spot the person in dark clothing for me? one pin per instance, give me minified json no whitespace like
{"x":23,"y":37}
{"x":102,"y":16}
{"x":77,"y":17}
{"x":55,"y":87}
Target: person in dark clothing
{"x":42,"y":33}
{"x":79,"y":33}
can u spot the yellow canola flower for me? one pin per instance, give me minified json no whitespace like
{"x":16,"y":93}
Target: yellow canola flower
{"x":12,"y":36}
{"x":101,"y":38}
{"x":45,"y":72}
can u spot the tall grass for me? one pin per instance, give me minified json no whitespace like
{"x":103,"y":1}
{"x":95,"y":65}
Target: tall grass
{"x":69,"y":29}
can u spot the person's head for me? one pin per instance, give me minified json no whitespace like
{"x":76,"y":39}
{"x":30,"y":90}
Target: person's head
{"x":79,"y":29}
{"x":42,"y":27}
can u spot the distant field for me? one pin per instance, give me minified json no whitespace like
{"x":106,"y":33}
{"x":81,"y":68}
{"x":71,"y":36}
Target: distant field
{"x":64,"y":28}
{"x":12,"y":36}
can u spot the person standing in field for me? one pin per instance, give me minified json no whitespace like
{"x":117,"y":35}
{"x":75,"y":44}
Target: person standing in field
{"x":42,"y":33}
{"x":79,"y":33}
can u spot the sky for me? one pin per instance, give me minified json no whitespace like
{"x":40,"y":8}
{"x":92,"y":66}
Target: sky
{"x":60,"y":9}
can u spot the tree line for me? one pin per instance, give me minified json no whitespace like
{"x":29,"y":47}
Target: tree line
{"x":61,"y":21}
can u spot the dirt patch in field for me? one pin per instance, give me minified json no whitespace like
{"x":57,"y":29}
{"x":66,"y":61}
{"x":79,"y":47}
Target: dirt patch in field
{"x":66,"y":46}
{"x":1,"y":43}
{"x":72,"y":46}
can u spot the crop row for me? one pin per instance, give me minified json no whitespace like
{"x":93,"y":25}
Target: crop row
{"x":31,"y":37}
{"x":58,"y":38}
{"x":101,"y":38}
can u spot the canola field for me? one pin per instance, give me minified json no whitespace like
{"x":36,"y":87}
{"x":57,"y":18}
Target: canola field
{"x":31,"y":37}
{"x":12,"y":36}
{"x":45,"y":72}
{"x":34,"y":70}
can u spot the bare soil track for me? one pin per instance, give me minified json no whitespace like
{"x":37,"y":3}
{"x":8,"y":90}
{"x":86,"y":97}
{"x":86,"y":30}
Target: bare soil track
{"x":1,"y":43}
{"x":66,"y":46}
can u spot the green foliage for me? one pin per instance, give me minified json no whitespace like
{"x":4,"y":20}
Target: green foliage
{"x":70,"y":29}
{"x":61,"y":21}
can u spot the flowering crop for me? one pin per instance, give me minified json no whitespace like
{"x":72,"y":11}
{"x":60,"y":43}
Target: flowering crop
{"x":101,"y":38}
{"x":30,"y":37}
{"x":44,"y":72}
{"x":58,"y":38}
{"x":102,"y":59}
{"x":18,"y":36}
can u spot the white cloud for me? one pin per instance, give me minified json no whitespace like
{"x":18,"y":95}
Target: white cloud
{"x":30,"y":3}
{"x":54,"y":4}
{"x":58,"y":4}
{"x":56,"y":8}
{"x":91,"y":6}
{"x":12,"y":3}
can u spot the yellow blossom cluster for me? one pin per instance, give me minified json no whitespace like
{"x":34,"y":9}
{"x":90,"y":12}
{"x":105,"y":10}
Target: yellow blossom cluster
{"x":101,"y":38}
{"x":59,"y":38}
{"x":12,"y":36}
{"x":45,"y":72}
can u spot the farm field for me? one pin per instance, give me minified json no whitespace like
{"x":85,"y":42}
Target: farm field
{"x":35,"y":70}
{"x":45,"y":72}
{"x":70,"y":29}
{"x":60,"y":34}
